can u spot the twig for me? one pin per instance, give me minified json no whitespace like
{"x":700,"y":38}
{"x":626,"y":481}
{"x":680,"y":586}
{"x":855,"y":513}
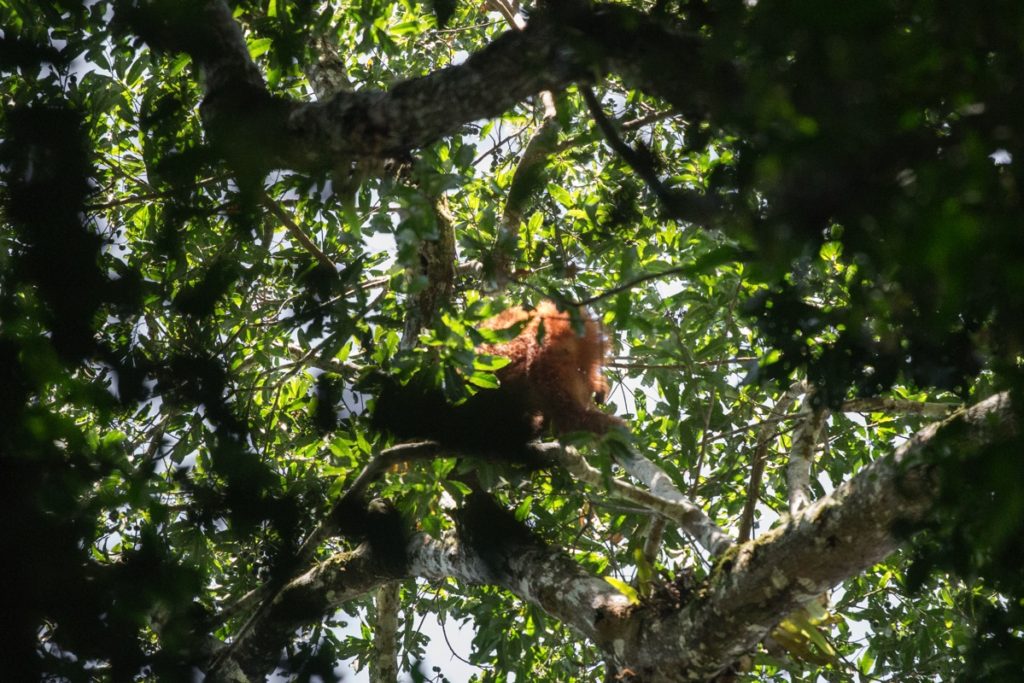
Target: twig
{"x":632,"y":124}
{"x":629,"y":284}
{"x":444,"y":632}
{"x":297,"y":232}
{"x":704,"y":440}
{"x":462,"y":29}
{"x":679,"y":366}
{"x":499,"y":143}
{"x":686,"y":206}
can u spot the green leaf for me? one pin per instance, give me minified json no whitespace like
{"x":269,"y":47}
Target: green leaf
{"x":866,"y":662}
{"x":484,"y":380}
{"x":523,"y":509}
{"x":112,"y":438}
{"x":561,"y":195}
{"x":489,"y":362}
{"x":259,"y":47}
{"x":404,"y":28}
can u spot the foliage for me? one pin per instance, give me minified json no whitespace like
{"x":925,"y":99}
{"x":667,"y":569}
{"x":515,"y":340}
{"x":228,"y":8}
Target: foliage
{"x":178,"y":373}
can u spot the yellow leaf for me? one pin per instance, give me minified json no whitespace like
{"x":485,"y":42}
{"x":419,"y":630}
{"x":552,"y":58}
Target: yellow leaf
{"x":625,"y":589}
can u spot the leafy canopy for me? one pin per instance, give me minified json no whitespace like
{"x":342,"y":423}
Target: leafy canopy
{"x":178,"y":368}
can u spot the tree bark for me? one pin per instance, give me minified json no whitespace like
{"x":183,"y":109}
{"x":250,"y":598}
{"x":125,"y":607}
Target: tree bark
{"x":384,"y":659}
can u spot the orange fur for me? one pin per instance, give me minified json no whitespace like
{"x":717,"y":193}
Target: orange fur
{"x":556,"y":369}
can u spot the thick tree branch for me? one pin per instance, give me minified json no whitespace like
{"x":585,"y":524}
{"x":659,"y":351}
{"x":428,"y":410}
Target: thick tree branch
{"x":306,"y":599}
{"x":384,"y":659}
{"x":419,"y":111}
{"x":749,"y":593}
{"x":543,"y":576}
{"x":260,"y":626}
{"x":837,"y":537}
{"x":878,"y":404}
{"x":564,"y":44}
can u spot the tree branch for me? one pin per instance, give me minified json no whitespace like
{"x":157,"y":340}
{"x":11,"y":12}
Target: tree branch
{"x":563,"y":44}
{"x":707,"y":533}
{"x":750,"y":592}
{"x":256,"y":628}
{"x":801,"y":455}
{"x":306,"y":599}
{"x":878,"y":404}
{"x":298,"y":233}
{"x":384,"y":658}
{"x":838,"y":536}
{"x":541,"y":575}
{"x":757,"y":461}
{"x":529,"y":174}
{"x":682,"y":205}
{"x":663,"y":497}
